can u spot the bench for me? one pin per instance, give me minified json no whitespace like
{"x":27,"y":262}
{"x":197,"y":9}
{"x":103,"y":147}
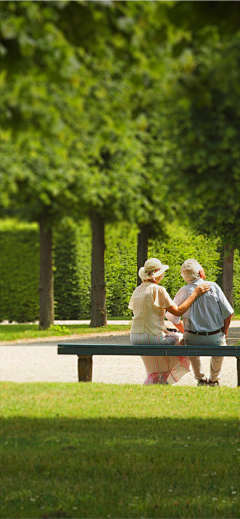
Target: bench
{"x":85,"y":353}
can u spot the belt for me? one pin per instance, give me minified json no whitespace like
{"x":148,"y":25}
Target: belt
{"x":204,"y":333}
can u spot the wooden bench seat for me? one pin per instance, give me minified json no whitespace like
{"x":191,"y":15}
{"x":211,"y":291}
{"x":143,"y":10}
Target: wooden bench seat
{"x":85,"y":353}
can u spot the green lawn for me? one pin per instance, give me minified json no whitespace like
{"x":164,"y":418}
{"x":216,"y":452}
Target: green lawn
{"x":12,"y":332}
{"x":110,"y":451}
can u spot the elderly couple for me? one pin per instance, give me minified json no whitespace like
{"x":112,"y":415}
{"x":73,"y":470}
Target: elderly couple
{"x":206,"y":318}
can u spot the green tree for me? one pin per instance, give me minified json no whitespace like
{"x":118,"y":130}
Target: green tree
{"x":39,"y":85}
{"x":42,"y":189}
{"x":57,"y":108}
{"x":204,"y":140}
{"x":158,"y":204}
{"x":65,"y":114}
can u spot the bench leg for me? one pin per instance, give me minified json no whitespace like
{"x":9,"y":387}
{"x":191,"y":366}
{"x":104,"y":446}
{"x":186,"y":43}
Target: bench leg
{"x":238,"y":371}
{"x":84,"y":368}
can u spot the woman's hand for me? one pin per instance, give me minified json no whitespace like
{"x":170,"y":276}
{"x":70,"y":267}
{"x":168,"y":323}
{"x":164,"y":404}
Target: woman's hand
{"x":201,"y":289}
{"x":180,"y":310}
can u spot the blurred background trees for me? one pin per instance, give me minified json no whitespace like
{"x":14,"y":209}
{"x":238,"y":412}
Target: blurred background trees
{"x":205,"y":106}
{"x":119,"y":111}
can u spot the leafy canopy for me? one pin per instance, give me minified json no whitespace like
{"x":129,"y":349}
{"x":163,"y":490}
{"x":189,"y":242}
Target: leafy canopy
{"x":203,"y":131}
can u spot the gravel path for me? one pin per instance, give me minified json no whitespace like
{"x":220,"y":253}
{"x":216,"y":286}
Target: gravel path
{"x":38,"y":361}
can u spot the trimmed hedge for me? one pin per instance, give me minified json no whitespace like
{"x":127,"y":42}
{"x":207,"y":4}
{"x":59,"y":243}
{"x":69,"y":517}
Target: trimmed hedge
{"x":19,"y":271}
{"x":19,"y":267}
{"x":236,"y":279}
{"x":184,"y":244}
{"x":72,"y":279}
{"x":73,"y":265}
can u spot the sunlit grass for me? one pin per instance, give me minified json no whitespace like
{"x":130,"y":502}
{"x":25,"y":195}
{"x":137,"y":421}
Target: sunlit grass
{"x":11,"y":332}
{"x":96,"y":450}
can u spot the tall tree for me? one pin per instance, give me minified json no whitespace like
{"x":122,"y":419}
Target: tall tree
{"x":158,"y":201}
{"x":205,"y":107}
{"x":62,"y":87}
{"x":40,"y":86}
{"x":58,"y":83}
{"x":113,"y":189}
{"x":40,"y":188}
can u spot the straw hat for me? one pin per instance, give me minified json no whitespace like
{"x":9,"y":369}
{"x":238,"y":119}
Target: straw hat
{"x":153,"y":268}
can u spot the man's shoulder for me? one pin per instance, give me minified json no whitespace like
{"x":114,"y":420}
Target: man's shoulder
{"x":216,"y":292}
{"x":214,"y":286}
{"x":184,"y":291}
{"x":186,"y":288}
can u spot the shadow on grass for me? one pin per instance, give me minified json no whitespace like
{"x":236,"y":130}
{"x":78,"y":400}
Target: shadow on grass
{"x":113,"y":467}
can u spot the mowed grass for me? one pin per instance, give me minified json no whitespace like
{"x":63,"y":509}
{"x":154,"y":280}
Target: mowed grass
{"x":95,"y":450}
{"x":13,"y":332}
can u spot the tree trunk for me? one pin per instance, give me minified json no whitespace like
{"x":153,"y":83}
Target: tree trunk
{"x":228,"y":273}
{"x":142,"y":250}
{"x":98,"y":292}
{"x":46,"y":303}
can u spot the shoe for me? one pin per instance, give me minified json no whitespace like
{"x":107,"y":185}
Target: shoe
{"x":202,"y":382}
{"x":213,"y":383}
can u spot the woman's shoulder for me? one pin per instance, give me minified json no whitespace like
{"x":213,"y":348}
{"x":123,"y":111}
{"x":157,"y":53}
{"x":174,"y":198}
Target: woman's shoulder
{"x":138,"y":289}
{"x":160,"y":291}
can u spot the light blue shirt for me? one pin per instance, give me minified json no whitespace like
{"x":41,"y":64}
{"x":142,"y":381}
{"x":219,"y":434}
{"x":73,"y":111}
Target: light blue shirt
{"x":207,"y":313}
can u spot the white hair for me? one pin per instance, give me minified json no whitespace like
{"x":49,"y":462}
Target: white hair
{"x":190,"y":270}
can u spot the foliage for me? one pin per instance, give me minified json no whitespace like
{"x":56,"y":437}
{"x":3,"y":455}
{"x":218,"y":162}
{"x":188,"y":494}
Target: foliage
{"x":57,"y":117}
{"x":236,"y":280}
{"x":121,"y":270}
{"x":81,"y":110}
{"x":37,"y":63}
{"x":75,"y":269}
{"x":137,"y":451}
{"x":63,"y":330}
{"x":72,"y":260}
{"x":191,"y":17}
{"x":182,"y":244}
{"x":203,"y":123}
{"x":72,"y":264}
{"x":75,"y":157}
{"x":19,"y":272}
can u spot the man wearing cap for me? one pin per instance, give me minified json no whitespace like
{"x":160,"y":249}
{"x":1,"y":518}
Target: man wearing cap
{"x":205,"y":322}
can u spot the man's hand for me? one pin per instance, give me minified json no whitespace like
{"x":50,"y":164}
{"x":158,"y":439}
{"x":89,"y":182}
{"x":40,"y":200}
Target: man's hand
{"x":180,"y":327}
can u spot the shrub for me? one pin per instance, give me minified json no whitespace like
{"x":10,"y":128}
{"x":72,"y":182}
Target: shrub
{"x":181,"y":245}
{"x":236,"y":279}
{"x":19,"y":267}
{"x":72,"y":279}
{"x":19,"y":271}
{"x":120,"y":267}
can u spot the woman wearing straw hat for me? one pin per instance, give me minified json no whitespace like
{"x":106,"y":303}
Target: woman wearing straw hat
{"x":149,"y":303}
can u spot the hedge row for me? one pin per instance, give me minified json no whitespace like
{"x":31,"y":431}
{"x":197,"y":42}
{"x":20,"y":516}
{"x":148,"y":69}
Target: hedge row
{"x":19,"y":267}
{"x":19,"y":271}
{"x":72,"y":278}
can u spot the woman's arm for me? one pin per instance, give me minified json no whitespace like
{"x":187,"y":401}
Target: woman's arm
{"x":180,"y":310}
